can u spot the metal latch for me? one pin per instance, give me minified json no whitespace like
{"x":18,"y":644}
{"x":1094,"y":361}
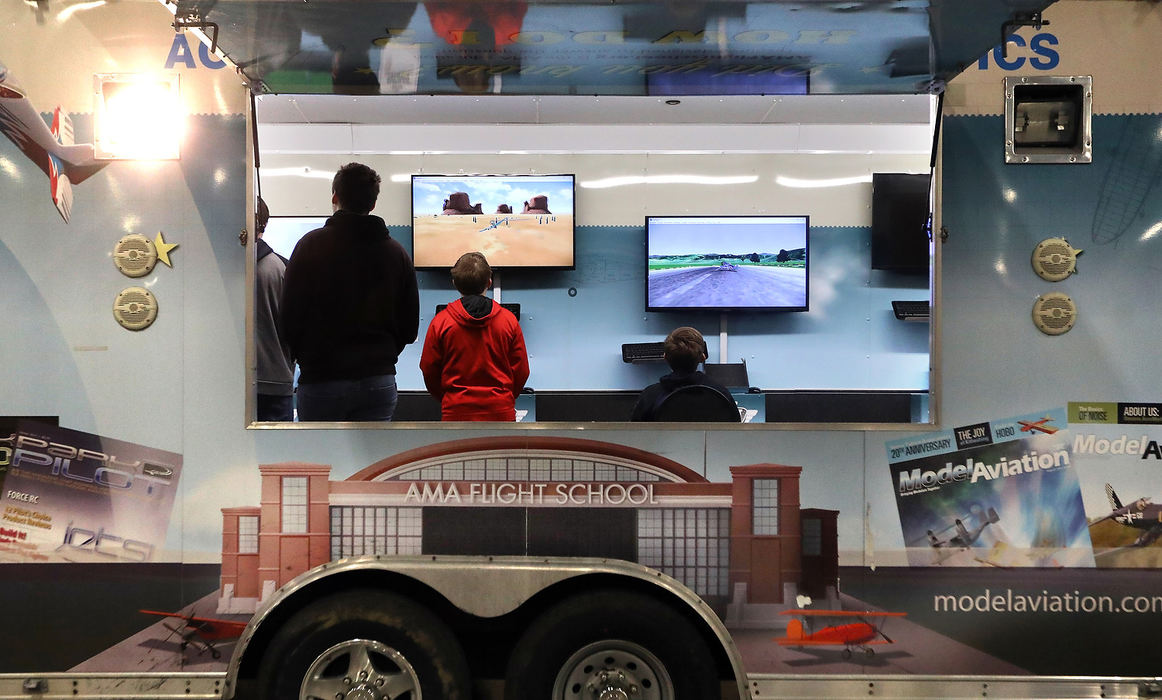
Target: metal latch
{"x":35,"y":685}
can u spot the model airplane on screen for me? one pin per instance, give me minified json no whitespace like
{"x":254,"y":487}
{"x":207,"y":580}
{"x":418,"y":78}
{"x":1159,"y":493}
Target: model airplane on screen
{"x":864,"y":633}
{"x":1038,"y":425}
{"x":51,"y":149}
{"x":1140,"y":515}
{"x":202,"y":632}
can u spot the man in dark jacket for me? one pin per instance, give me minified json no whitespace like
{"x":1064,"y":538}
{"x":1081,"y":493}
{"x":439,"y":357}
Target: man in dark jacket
{"x":684,"y":350}
{"x":350,"y":305}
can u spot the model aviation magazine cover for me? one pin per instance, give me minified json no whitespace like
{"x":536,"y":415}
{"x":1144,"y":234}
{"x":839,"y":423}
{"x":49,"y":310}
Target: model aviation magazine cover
{"x":999,"y":493}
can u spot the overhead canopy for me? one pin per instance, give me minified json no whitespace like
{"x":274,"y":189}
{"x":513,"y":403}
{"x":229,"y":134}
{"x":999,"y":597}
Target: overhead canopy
{"x":604,"y":48}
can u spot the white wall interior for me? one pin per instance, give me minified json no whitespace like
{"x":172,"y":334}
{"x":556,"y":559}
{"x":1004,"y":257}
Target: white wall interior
{"x":632,"y":157}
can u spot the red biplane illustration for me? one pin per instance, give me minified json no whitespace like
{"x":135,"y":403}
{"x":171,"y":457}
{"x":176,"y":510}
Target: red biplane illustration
{"x":1038,"y":425}
{"x":863,"y":634}
{"x":202,"y":632}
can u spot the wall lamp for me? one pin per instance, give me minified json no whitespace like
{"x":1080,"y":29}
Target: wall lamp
{"x":138,"y":116}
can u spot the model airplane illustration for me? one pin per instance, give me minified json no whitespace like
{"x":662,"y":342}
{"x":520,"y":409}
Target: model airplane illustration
{"x":1140,"y":515}
{"x":1039,"y":426}
{"x":866,"y":632}
{"x":964,"y":537}
{"x":52,"y":149}
{"x":202,"y":632}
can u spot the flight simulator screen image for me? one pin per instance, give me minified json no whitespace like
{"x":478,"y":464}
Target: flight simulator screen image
{"x":726,"y":262}
{"x":514,"y":220}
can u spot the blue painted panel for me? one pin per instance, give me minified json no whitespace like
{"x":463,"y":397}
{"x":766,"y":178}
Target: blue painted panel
{"x":996,"y":362}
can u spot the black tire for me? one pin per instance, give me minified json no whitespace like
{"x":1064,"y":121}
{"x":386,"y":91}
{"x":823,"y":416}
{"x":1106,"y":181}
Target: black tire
{"x":616,"y":640}
{"x":364,"y":643}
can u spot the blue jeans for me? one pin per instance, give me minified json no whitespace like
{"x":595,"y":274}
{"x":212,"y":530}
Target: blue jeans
{"x":366,"y":399}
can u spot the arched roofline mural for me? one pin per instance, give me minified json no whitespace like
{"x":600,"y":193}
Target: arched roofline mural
{"x":398,"y":465}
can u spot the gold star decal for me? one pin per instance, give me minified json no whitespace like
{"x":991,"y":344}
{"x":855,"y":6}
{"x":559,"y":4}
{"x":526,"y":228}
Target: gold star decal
{"x":163,"y":249}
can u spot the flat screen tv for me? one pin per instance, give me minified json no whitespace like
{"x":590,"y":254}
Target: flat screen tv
{"x":283,"y":232}
{"x":727,"y":263}
{"x":900,"y":222}
{"x":516,"y":221}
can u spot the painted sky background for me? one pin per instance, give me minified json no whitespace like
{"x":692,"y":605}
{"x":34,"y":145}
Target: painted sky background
{"x":694,"y":235}
{"x":430,"y":191}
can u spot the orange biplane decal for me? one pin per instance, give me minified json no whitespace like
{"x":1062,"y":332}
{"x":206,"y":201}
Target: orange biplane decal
{"x":863,"y":634}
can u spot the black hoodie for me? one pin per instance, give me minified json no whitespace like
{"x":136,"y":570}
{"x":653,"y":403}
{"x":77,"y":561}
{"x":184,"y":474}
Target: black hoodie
{"x":653,"y":395}
{"x":350,"y":301}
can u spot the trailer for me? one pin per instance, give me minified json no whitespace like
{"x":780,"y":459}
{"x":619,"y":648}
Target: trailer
{"x":940,"y":221}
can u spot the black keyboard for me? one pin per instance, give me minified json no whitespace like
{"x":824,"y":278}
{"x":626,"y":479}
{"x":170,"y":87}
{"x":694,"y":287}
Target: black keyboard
{"x":911,"y":310}
{"x":643,"y":352}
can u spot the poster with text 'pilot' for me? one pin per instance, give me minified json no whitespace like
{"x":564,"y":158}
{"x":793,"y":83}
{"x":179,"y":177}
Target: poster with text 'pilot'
{"x":1001,"y":493}
{"x":70,"y":496}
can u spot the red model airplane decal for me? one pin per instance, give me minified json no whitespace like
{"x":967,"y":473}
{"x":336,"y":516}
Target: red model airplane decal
{"x":1030,"y":426}
{"x":202,"y":632}
{"x":862,"y":634}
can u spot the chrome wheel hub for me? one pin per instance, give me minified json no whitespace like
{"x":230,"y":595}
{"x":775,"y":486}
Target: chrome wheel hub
{"x":360,"y":669}
{"x":613,"y":669}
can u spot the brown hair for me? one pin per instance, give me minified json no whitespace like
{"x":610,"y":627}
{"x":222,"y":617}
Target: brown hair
{"x":471,"y":273}
{"x":356,"y":186}
{"x":684,"y":349}
{"x":261,"y":216}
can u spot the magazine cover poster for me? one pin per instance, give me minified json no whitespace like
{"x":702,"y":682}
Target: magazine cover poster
{"x":999,"y":493}
{"x":1119,"y":445}
{"x":71,"y":496}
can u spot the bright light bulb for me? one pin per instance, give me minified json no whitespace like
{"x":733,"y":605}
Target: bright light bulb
{"x":140,"y":118}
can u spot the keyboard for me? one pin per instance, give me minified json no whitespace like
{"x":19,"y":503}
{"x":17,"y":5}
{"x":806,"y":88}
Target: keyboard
{"x":643,"y":352}
{"x":911,"y":310}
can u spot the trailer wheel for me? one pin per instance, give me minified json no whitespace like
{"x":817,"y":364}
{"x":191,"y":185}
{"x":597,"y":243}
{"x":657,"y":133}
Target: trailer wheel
{"x":364,"y":644}
{"x":611,"y":644}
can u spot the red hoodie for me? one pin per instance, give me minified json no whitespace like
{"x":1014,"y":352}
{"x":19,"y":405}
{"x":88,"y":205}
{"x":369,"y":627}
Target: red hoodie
{"x":475,"y":366}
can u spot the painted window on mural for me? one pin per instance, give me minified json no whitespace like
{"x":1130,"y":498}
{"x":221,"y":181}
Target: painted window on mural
{"x":766,"y":506}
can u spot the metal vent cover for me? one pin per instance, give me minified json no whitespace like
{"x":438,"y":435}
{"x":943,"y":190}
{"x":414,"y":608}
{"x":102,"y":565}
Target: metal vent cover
{"x":1054,"y":313}
{"x":135,"y":255}
{"x":135,"y":308}
{"x":1054,"y":259}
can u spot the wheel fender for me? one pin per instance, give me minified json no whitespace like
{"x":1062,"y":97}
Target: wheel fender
{"x":485,"y":587}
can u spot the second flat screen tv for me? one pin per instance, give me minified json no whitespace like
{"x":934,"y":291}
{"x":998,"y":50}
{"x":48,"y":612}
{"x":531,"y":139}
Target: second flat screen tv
{"x":516,"y":221}
{"x":726,"y":263}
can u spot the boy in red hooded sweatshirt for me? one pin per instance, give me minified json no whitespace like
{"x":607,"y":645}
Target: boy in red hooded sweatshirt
{"x":474,"y":357}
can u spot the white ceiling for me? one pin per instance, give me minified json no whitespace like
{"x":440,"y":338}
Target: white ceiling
{"x":590,"y":110}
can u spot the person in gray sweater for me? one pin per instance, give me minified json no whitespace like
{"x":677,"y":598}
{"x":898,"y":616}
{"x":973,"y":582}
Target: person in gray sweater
{"x":274,"y":365}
